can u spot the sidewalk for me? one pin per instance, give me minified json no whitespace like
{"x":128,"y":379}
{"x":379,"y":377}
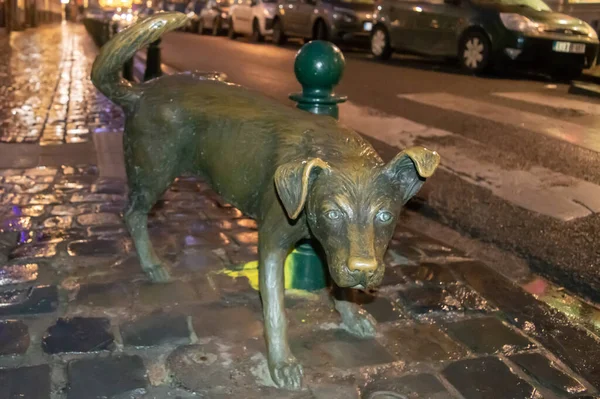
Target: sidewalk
{"x":78,"y":318}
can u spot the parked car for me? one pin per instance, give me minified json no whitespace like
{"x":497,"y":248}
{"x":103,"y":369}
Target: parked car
{"x":481,"y":33}
{"x":252,"y":17}
{"x":193,"y":10}
{"x":334,"y":20}
{"x":214,"y":17}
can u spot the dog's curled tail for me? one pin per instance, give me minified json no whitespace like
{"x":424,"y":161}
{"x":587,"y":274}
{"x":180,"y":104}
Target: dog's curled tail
{"x":106,"y":71}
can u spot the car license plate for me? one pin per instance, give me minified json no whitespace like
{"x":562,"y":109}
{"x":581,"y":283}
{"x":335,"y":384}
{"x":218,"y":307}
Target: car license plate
{"x":568,"y":47}
{"x":368,"y":26}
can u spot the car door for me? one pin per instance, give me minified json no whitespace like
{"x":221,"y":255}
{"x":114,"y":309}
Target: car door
{"x":207,"y":14}
{"x":243,"y":20}
{"x":291,"y":19}
{"x":403,"y":16}
{"x":438,"y":27}
{"x":304,"y":13}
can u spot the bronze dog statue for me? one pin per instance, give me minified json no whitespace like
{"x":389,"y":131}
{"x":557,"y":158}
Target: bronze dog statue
{"x":299,"y":175}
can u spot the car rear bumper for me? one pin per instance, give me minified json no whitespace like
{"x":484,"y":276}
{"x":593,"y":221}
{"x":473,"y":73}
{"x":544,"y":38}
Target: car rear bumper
{"x":539,"y":53}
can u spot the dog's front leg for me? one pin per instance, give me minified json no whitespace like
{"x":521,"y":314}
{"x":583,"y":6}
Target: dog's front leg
{"x":285,"y":369}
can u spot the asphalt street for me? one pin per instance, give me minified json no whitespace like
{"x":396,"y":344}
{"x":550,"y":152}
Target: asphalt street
{"x":520,"y":156}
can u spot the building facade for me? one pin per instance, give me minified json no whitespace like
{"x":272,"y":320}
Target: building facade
{"x":22,"y":14}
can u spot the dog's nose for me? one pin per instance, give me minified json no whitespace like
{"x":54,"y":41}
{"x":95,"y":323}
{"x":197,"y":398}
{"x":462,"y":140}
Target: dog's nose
{"x":365,"y":265}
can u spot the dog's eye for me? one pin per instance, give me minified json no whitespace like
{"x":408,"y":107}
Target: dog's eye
{"x":384,"y":217}
{"x":333,"y":215}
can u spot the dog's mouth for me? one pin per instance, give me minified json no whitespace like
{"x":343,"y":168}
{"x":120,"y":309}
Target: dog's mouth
{"x":356,"y":280}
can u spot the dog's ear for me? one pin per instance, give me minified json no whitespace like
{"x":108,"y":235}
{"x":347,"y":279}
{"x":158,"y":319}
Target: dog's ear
{"x":410,"y":168}
{"x":292,"y":181}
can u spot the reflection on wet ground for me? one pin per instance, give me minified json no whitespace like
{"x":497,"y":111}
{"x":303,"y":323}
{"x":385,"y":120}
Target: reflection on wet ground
{"x":576,"y":309}
{"x":45,"y":89}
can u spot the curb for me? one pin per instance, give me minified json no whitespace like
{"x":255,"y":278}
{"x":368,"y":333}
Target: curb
{"x":585,"y":89}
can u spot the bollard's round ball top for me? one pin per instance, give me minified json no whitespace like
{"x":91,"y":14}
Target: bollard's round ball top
{"x":319,"y":65}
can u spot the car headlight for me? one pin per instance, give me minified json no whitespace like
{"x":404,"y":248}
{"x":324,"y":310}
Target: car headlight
{"x":518,"y":22}
{"x":592,"y":34}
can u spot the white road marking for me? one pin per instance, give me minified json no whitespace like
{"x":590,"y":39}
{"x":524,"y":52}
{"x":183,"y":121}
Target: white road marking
{"x":553,"y":101}
{"x":566,"y":131}
{"x":537,"y":189}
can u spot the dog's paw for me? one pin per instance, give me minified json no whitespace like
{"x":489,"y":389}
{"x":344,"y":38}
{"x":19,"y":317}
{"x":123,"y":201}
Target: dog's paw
{"x":158,"y":274}
{"x":361,"y":324}
{"x":287,"y":374}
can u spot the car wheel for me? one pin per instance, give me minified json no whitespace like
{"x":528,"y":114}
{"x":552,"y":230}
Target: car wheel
{"x":256,"y":35}
{"x":380,"y":43}
{"x":231,"y":32}
{"x":320,"y":31}
{"x":201,"y":29}
{"x":475,"y":52}
{"x":278,"y":34}
{"x":216,"y":28}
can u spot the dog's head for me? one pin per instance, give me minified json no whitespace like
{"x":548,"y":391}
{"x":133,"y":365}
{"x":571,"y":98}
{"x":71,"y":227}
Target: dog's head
{"x":353,"y":209}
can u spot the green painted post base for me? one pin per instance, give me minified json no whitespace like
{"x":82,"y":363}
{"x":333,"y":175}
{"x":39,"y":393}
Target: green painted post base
{"x":305,"y":269}
{"x":319,"y":66}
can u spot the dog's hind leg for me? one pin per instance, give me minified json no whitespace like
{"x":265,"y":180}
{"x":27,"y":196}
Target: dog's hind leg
{"x":145,"y":190}
{"x":136,"y":219}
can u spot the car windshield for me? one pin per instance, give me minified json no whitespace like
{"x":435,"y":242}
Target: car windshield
{"x":538,"y":5}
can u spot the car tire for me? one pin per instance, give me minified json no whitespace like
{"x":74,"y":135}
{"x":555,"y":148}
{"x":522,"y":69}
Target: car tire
{"x":475,"y":52}
{"x":201,"y":29}
{"x":216,"y":28}
{"x":231,"y":32}
{"x":278,"y":37}
{"x":320,"y":31}
{"x":256,"y":35}
{"x":380,"y":43}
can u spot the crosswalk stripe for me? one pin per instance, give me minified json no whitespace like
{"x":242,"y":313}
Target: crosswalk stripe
{"x":537,"y":189}
{"x":566,"y":131}
{"x":556,"y":102}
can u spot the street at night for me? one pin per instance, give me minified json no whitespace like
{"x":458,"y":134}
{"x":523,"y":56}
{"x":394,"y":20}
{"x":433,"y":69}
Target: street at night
{"x":520,"y":154}
{"x":491,"y":287}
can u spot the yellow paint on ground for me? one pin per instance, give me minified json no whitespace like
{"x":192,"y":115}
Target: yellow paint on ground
{"x":250,"y":271}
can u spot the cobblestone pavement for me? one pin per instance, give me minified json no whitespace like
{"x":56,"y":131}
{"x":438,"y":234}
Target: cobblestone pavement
{"x":78,"y":318}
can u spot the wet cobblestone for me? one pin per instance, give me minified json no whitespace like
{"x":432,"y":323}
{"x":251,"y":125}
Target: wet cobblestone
{"x":47,"y":96}
{"x":71,"y":285}
{"x":79,"y":334}
{"x":25,"y":382}
{"x":14,"y":337}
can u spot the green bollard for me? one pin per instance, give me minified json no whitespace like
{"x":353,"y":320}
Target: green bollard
{"x":318,"y":67}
